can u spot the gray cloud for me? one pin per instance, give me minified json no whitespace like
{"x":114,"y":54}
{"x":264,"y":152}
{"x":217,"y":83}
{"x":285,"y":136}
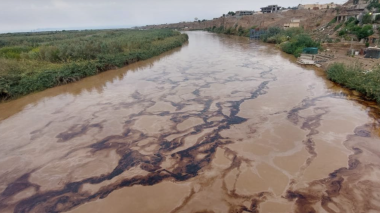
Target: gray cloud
{"x":27,"y":15}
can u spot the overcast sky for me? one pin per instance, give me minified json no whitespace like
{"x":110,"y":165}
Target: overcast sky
{"x":27,"y":15}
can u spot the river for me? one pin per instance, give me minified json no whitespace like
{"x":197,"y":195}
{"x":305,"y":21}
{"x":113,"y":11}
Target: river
{"x":222,"y":124}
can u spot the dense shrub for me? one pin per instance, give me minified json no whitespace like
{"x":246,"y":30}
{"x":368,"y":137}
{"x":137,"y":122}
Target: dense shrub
{"x":296,"y":45}
{"x":373,"y":4}
{"x":271,"y":35}
{"x":13,"y":52}
{"x":356,"y":78}
{"x":292,"y":40}
{"x":364,"y":32}
{"x":367,"y":19}
{"x":342,"y":32}
{"x":352,"y":27}
{"x":338,"y":26}
{"x":238,"y":31}
{"x":62,"y":58}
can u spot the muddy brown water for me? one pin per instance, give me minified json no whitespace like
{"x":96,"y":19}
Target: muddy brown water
{"x":222,"y":124}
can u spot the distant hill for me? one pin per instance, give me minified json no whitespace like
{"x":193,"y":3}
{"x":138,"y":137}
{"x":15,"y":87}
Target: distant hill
{"x":72,"y":28}
{"x":82,"y":28}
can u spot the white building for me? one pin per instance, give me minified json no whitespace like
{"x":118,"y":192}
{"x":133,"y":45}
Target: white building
{"x":293,"y":23}
{"x":374,"y":16}
{"x":317,"y":6}
{"x":271,"y":9}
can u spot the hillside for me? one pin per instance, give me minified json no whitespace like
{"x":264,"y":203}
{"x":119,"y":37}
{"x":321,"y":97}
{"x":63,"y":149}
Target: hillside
{"x":310,"y":19}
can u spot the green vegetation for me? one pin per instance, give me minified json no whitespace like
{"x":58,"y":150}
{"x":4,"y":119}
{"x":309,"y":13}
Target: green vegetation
{"x":331,"y":22}
{"x":356,"y":78}
{"x":36,"y":61}
{"x":231,"y":13}
{"x":352,"y":27}
{"x":338,"y":26}
{"x":291,"y":40}
{"x":238,"y":31}
{"x":367,"y":19}
{"x":374,"y":4}
{"x":275,"y":35}
{"x":294,"y":40}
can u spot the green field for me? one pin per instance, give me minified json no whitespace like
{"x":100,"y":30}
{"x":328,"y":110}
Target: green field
{"x":35,"y":61}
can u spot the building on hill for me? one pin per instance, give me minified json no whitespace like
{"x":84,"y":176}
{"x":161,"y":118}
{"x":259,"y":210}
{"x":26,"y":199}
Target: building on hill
{"x":271,"y":9}
{"x":317,"y":6}
{"x":244,"y":13}
{"x":355,"y":2}
{"x":293,"y":23}
{"x":374,"y":16}
{"x":343,"y":17}
{"x":354,"y":9}
{"x":372,"y":40}
{"x":356,"y":5}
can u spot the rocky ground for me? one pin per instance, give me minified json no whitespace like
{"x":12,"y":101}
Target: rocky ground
{"x":339,"y":53}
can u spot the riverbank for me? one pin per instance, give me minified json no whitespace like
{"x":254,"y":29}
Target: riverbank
{"x":291,"y":41}
{"x":362,"y":76}
{"x":36,"y":61}
{"x":355,"y":77}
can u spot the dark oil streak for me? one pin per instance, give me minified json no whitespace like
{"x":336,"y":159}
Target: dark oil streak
{"x":187,"y":165}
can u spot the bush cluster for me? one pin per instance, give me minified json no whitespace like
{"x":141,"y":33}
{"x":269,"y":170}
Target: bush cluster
{"x":236,"y":30}
{"x":291,"y":40}
{"x":33,"y":62}
{"x":356,"y":78}
{"x":373,"y":4}
{"x":352,"y":27}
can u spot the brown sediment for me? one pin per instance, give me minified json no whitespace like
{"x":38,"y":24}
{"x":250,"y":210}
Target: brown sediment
{"x":242,"y":131}
{"x":276,"y":207}
{"x":159,"y":198}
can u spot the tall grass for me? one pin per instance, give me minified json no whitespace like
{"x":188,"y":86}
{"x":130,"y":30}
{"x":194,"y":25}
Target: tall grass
{"x":356,"y":78}
{"x":30,"y":63}
{"x":236,"y":30}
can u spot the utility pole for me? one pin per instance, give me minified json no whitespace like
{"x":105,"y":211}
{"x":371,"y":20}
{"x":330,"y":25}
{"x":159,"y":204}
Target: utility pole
{"x":352,"y":39}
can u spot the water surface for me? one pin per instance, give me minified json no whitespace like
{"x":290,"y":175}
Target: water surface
{"x":222,"y":124}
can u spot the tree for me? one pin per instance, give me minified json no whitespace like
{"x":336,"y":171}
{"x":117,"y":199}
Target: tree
{"x":374,"y":4}
{"x":367,"y":18}
{"x":231,"y":13}
{"x":364,"y":32}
